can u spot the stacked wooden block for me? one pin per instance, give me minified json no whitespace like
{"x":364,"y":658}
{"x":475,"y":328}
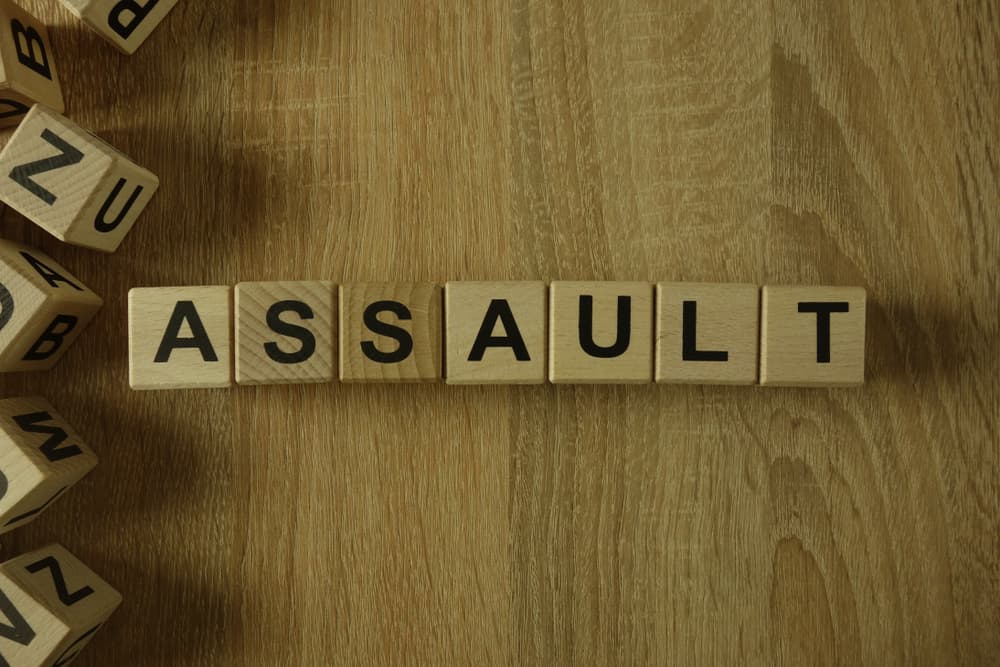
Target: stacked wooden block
{"x":50,"y":602}
{"x":84,"y":192}
{"x":495,"y":333}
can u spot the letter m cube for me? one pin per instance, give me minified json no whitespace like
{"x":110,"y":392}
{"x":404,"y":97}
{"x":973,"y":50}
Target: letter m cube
{"x":40,"y":457}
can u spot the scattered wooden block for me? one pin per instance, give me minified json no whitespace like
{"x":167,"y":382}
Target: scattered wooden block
{"x":27,"y":68}
{"x":812,"y":336}
{"x":600,"y":332}
{"x":43,"y":308}
{"x":285,"y":332}
{"x":53,"y":605}
{"x":707,"y":333}
{"x":72,"y":184}
{"x":390,"y":332}
{"x":495,"y":332}
{"x":179,"y":337}
{"x":124,"y":23}
{"x":41,"y":456}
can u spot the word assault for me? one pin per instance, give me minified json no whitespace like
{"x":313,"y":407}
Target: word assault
{"x":495,"y":333}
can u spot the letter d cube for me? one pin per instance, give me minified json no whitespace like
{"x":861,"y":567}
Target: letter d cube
{"x":43,"y":309}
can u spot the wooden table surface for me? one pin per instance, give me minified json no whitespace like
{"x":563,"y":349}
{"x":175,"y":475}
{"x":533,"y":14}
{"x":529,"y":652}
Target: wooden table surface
{"x":768,"y":141}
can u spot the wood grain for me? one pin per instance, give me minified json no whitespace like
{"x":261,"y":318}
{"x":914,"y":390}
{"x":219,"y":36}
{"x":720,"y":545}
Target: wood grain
{"x":831,"y":143}
{"x":299,"y":346}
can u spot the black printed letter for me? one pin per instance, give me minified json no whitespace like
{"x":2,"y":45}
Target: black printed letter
{"x":51,"y":564}
{"x":26,"y":40}
{"x":102,"y":225}
{"x":34,"y":423}
{"x":51,"y":335}
{"x":823,"y":311}
{"x":185,"y":310}
{"x":690,"y":350}
{"x":19,"y":630}
{"x":6,"y":306}
{"x":139,"y":12}
{"x":51,"y":276}
{"x":383,"y":329}
{"x":499,"y":309}
{"x":68,"y":155}
{"x":622,"y":338}
{"x":14,"y":109}
{"x":276,"y":324}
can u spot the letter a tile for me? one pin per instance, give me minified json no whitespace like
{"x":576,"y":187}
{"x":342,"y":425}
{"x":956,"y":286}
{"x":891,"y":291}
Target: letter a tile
{"x":180,"y":337}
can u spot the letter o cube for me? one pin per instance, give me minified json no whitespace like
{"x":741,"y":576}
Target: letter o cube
{"x":72,"y":184}
{"x":40,"y":457}
{"x":43,"y":309}
{"x":27,"y":67}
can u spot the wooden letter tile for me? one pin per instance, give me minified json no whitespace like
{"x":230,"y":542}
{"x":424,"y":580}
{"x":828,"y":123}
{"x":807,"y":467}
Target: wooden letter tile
{"x":41,"y":456}
{"x":495,"y":332}
{"x":812,"y":336}
{"x":390,"y":332}
{"x":285,"y":332}
{"x":126,"y":24}
{"x":27,"y":65}
{"x":72,"y":184}
{"x":54,"y":605}
{"x":707,"y":333}
{"x":600,"y":332}
{"x":180,"y":337}
{"x":43,"y":308}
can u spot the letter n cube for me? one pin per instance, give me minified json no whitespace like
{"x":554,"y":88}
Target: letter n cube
{"x":52,"y":605}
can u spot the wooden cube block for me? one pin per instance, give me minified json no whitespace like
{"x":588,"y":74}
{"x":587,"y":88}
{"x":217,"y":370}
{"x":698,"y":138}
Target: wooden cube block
{"x":285,"y":332}
{"x":180,"y":337}
{"x":41,"y":456}
{"x":124,"y":23}
{"x":72,"y":184}
{"x":600,"y":332}
{"x":27,"y":67}
{"x":812,"y":336}
{"x":53,"y":605}
{"x":707,"y":333}
{"x":43,"y":308}
{"x":390,"y":332}
{"x":495,"y":332}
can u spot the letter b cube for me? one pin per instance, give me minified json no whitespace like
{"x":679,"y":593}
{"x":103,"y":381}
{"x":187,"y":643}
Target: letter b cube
{"x":124,"y":23}
{"x":72,"y":184}
{"x":27,"y":68}
{"x":43,"y":309}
